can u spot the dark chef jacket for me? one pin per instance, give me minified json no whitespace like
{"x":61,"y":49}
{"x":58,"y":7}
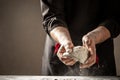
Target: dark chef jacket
{"x":80,"y":17}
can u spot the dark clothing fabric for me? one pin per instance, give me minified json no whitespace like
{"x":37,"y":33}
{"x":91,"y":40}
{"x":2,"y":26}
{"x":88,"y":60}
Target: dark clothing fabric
{"x":80,"y":17}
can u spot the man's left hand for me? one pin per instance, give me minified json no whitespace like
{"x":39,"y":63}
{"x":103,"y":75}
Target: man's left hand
{"x":89,"y":43}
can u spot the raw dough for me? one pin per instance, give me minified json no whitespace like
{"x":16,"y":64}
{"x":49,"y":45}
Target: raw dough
{"x":79,"y":53}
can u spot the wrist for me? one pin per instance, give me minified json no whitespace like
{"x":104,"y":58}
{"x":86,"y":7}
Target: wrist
{"x":61,"y":34}
{"x":100,"y":34}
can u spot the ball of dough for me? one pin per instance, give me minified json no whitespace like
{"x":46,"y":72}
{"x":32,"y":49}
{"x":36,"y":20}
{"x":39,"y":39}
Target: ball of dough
{"x":79,"y":53}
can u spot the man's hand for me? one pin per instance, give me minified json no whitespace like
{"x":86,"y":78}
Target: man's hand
{"x":61,"y":35}
{"x":89,"y":43}
{"x":67,"y":47}
{"x":96,"y":36}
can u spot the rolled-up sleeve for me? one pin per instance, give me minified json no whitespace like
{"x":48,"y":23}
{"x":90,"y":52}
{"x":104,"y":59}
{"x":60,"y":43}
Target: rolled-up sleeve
{"x":53,"y":14}
{"x":112,"y":26}
{"x":112,"y":21}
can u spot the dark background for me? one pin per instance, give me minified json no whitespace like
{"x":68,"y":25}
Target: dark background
{"x":22,"y":38}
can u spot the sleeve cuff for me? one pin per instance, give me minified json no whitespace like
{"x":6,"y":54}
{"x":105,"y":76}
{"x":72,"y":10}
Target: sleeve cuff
{"x":112,"y":26}
{"x":53,"y":23}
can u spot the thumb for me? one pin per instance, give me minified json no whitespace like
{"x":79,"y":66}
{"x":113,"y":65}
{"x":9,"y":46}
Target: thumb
{"x":68,"y":47}
{"x":86,"y":41}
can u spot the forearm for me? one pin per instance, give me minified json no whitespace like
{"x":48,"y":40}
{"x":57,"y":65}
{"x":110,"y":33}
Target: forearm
{"x":100,"y":34}
{"x":61,"y":35}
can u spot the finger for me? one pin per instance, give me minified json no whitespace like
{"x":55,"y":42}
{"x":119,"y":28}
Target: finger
{"x":92,"y":63}
{"x":65,"y":58}
{"x":92,"y":56}
{"x":67,"y":61}
{"x":68,"y":47}
{"x":61,"y":49}
{"x":87,"y":65}
{"x":89,"y":62}
{"x":91,"y":59}
{"x":70,"y":63}
{"x":86,"y":41}
{"x":92,"y":50}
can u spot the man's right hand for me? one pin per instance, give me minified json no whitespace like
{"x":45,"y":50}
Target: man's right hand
{"x":66,"y":47}
{"x":61,"y":35}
